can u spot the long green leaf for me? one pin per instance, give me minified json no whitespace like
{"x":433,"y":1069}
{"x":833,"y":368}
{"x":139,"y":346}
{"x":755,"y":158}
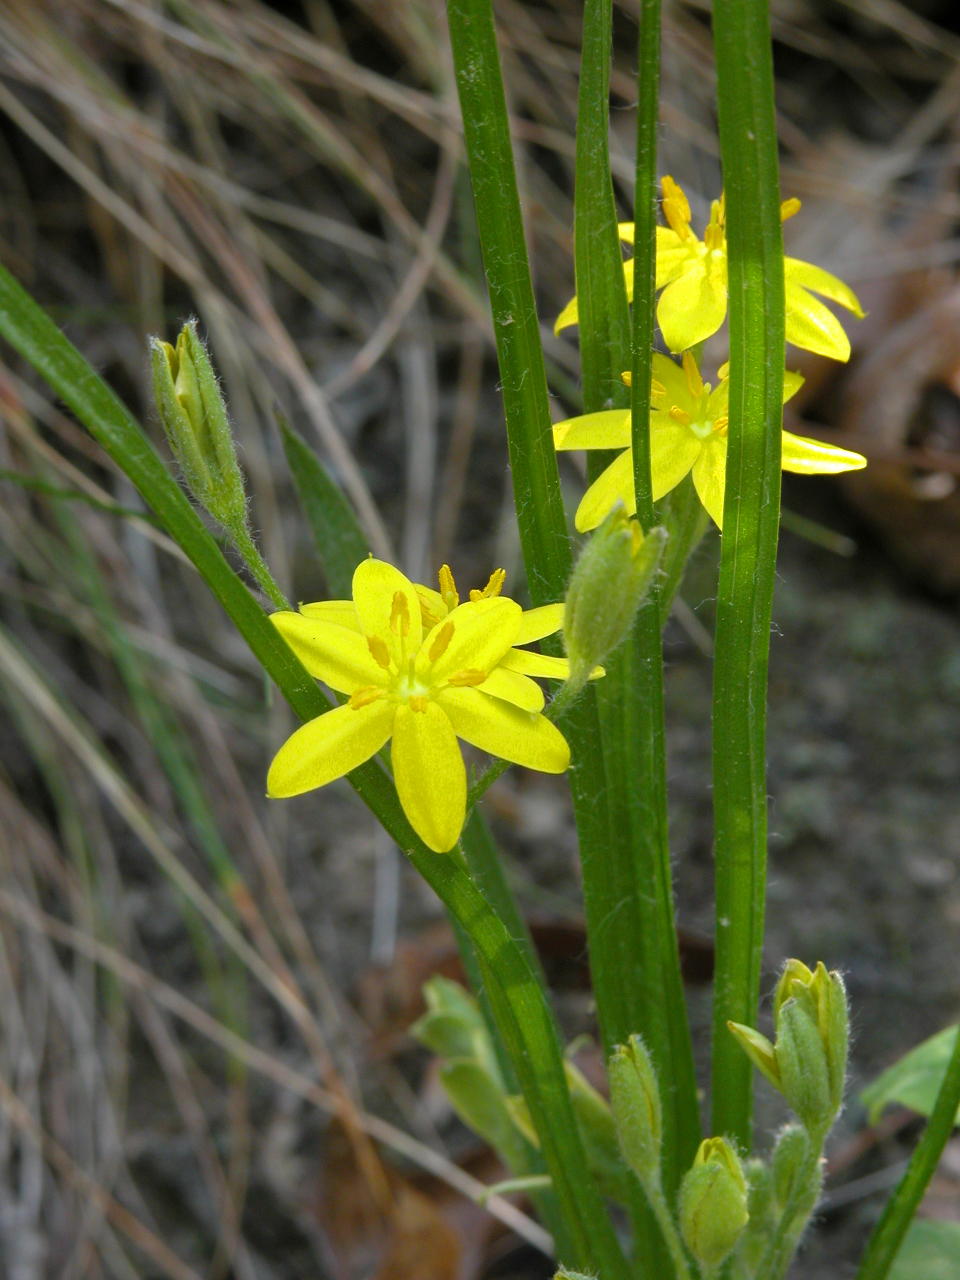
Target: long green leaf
{"x":901,"y":1209}
{"x":751,"y":518}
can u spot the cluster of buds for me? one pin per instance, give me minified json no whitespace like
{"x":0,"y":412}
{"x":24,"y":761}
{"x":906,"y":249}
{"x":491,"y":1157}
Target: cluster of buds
{"x":808,"y":1061}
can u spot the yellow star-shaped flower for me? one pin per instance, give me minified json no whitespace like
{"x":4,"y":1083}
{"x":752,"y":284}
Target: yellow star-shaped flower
{"x":693,"y":276}
{"x":424,"y":684}
{"x":688,"y":432}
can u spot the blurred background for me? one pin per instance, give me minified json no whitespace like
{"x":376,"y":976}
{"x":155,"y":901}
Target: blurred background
{"x":204,"y":1065}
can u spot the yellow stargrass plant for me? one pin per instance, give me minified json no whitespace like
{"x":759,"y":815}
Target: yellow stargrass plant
{"x":688,"y":434}
{"x":420,"y":687}
{"x":625,"y":1191}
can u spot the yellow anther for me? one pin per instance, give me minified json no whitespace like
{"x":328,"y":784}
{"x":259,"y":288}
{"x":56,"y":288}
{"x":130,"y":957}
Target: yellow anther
{"x":470,"y":676}
{"x":363,"y":697}
{"x":723,"y":373}
{"x":657,"y":388}
{"x":448,"y":588}
{"x":694,"y":381}
{"x":789,"y":208}
{"x":720,"y":424}
{"x":440,"y":641}
{"x":679,"y":415}
{"x":493,"y":588}
{"x":418,"y":702}
{"x":379,"y":651}
{"x":676,"y":208}
{"x":400,"y":615}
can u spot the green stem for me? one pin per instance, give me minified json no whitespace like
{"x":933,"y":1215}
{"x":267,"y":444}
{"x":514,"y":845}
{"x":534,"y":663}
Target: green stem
{"x":790,"y":1228}
{"x":255,"y":562}
{"x":748,"y":146}
{"x":896,"y":1218}
{"x":661,"y":1211}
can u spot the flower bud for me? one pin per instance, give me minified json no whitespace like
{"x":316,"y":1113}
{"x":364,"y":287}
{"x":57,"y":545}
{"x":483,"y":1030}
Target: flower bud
{"x":565,"y":1274}
{"x":194,"y":418}
{"x":635,"y":1102}
{"x":823,"y":999}
{"x":713,"y":1203}
{"x":610,"y":581}
{"x":808,"y":1063}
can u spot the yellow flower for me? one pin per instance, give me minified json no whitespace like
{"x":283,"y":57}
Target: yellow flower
{"x":688,"y":432}
{"x":693,"y":276}
{"x":422,"y":683}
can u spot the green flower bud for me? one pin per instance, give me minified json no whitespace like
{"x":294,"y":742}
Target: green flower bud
{"x":635,"y":1102}
{"x":564,"y":1274}
{"x":610,"y":581}
{"x":194,"y":418}
{"x":808,"y":1063}
{"x":713,"y":1203}
{"x":810,"y":1011}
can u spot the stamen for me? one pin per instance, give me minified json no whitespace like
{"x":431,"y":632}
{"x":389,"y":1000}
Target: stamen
{"x":379,"y":651}
{"x":723,"y":373}
{"x":400,"y":615}
{"x":789,"y":208}
{"x":676,"y":208}
{"x":363,"y":697}
{"x":448,"y":588}
{"x":441,"y":641}
{"x":418,"y":702}
{"x":493,"y":588}
{"x":679,"y":415}
{"x":468,"y":677}
{"x":720,"y":424}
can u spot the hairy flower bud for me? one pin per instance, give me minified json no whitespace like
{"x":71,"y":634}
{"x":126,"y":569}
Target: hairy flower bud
{"x":610,"y":582}
{"x":713,"y":1203}
{"x":635,"y":1102}
{"x":194,"y":418}
{"x":808,"y":1063}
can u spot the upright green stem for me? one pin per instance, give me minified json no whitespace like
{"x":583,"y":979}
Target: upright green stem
{"x":791,"y":1226}
{"x":748,"y":147}
{"x":888,"y":1234}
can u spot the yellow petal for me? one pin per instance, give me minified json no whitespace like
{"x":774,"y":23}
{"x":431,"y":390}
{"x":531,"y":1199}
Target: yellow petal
{"x":625,"y":232}
{"x":813,"y":326}
{"x":606,"y":429}
{"x":481,"y":633}
{"x":692,"y":308}
{"x":328,"y":747}
{"x":673,"y":451}
{"x":429,"y":774}
{"x":512,"y":686}
{"x":672,"y":377}
{"x":331,"y":653}
{"x":568,"y":316}
{"x":822,"y":282}
{"x":377,"y":590}
{"x":341,"y":612}
{"x":674,"y":256}
{"x":505,"y":731}
{"x":544,"y":665}
{"x":813,"y":457}
{"x":613,"y":485}
{"x":709,"y":475}
{"x":537,"y":623}
{"x":433,"y":607}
